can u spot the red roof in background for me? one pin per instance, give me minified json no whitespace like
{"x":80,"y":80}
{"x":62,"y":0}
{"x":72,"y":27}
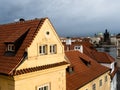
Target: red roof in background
{"x":88,"y":49}
{"x":100,"y":57}
{"x":82,"y":73}
{"x":77,"y":43}
{"x":12,"y":32}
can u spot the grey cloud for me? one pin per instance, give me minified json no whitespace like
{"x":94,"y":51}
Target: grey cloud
{"x":69,"y":17}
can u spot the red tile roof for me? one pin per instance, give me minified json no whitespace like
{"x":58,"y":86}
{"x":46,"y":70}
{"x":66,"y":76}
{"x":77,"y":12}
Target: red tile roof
{"x":89,"y":50}
{"x":77,"y":43}
{"x":101,"y":57}
{"x":82,"y":73}
{"x":11,"y":32}
{"x":16,"y":35}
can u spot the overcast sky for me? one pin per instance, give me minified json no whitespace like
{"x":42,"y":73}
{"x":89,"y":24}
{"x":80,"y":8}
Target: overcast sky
{"x":69,"y":17}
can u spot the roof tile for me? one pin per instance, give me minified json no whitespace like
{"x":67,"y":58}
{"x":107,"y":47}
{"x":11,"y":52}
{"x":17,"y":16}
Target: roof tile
{"x":12,"y":32}
{"x":82,"y":73}
{"x":38,"y":68}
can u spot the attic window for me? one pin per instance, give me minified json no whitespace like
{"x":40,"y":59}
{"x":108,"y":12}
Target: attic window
{"x":10,"y":50}
{"x":70,"y":69}
{"x":86,"y":62}
{"x":47,"y":32}
{"x":11,"y":47}
{"x":77,"y":47}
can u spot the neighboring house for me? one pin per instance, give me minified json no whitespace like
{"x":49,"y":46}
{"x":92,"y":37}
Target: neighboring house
{"x":113,"y":40}
{"x":77,"y":44}
{"x":118,"y":45}
{"x":31,"y":56}
{"x":105,"y":60}
{"x":95,"y":40}
{"x":85,"y":73}
{"x":101,"y":57}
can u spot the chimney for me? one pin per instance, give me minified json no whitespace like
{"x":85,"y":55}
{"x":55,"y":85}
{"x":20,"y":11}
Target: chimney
{"x":68,"y":41}
{"x":21,"y":19}
{"x":81,"y":48}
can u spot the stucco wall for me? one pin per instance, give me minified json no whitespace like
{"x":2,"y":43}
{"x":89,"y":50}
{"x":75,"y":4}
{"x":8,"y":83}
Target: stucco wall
{"x":105,"y":85}
{"x":55,"y":77}
{"x":34,"y":57}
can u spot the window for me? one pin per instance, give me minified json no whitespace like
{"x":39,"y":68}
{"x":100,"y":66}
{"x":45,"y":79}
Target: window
{"x":77,"y":48}
{"x":44,"y":87}
{"x":86,"y":62}
{"x":94,"y":87}
{"x":53,"y":49}
{"x":11,"y":47}
{"x":43,"y":49}
{"x":100,"y":82}
{"x":47,"y":32}
{"x":70,"y":69}
{"x":105,"y":78}
{"x":119,"y":43}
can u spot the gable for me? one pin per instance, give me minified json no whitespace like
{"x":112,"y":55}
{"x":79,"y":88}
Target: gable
{"x":46,"y":36}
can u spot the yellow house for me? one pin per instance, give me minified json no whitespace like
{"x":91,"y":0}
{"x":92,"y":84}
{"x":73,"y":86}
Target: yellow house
{"x":84,"y":73}
{"x":31,"y":56}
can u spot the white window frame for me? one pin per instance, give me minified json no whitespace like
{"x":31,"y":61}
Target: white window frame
{"x":106,"y":78}
{"x":100,"y":82}
{"x":53,"y":49}
{"x":42,"y":87}
{"x":11,"y":47}
{"x":43,"y":49}
{"x":94,"y":87}
{"x":77,"y":47}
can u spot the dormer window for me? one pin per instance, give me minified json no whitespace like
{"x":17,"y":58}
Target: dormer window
{"x":70,"y":69}
{"x":11,"y":47}
{"x":10,"y":50}
{"x":77,"y":47}
{"x":86,"y":62}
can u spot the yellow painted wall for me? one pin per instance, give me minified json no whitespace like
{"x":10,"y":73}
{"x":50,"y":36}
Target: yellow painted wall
{"x":105,"y":85}
{"x":55,"y":77}
{"x":34,"y":57}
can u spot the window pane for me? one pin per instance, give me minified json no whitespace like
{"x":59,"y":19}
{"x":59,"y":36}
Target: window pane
{"x":11,"y":47}
{"x":54,"y":48}
{"x":105,"y":78}
{"x":43,"y":49}
{"x":46,"y":88}
{"x":94,"y":87}
{"x":40,"y":48}
{"x":100,"y":83}
{"x":41,"y":88}
{"x":50,"y":48}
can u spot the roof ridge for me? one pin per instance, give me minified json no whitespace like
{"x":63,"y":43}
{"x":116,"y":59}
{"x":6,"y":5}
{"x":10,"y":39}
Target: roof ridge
{"x":18,"y":22}
{"x":41,"y":21}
